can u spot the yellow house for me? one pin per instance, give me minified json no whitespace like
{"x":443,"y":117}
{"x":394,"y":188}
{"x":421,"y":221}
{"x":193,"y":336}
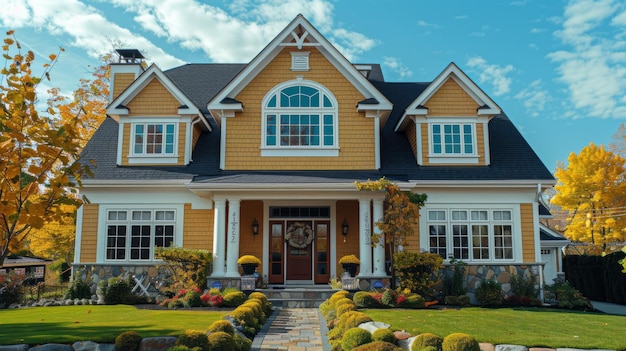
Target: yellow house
{"x":261,"y":158}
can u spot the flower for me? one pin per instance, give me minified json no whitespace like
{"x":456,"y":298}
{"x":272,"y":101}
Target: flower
{"x":349,"y":259}
{"x":249,"y":259}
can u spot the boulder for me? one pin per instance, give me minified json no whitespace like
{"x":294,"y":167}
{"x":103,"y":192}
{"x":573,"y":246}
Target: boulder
{"x":18,"y":347}
{"x":52,"y":347}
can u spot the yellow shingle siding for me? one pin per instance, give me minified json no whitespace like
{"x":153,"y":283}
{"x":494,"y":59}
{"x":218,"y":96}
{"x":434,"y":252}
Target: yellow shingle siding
{"x":182,"y":134}
{"x":410,"y":134}
{"x":125,"y":144}
{"x":355,"y":131}
{"x":121,"y":82}
{"x":154,"y":100}
{"x":89,"y":235}
{"x":195,"y":135}
{"x":451,"y":100}
{"x":198,"y":229}
{"x":528,"y":232}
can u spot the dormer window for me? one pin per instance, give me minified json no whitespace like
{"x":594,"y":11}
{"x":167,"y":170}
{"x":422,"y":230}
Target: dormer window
{"x":153,"y":140}
{"x":300,"y":118}
{"x":452,"y":141}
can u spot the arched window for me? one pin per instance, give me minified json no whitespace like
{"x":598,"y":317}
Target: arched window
{"x":299,"y":116}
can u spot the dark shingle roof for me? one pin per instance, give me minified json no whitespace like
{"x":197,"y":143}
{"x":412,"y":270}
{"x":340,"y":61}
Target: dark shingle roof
{"x":511,"y":156}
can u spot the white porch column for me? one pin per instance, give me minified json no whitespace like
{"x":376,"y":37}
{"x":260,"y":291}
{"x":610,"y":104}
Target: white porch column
{"x":379,"y":249}
{"x":232,"y":255}
{"x":365,"y":241}
{"x":219,"y":241}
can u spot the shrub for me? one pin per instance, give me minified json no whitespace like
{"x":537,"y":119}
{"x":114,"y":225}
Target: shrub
{"x":566,"y":296}
{"x":221,"y":341}
{"x":127,"y":341}
{"x":182,"y":348}
{"x":459,"y":342}
{"x":118,"y":291}
{"x":336,"y":296}
{"x":10,"y":289}
{"x":454,"y":283}
{"x":384,"y":335}
{"x":189,"y":267}
{"x":234,"y":299}
{"x":242,"y":343}
{"x":489,"y":293}
{"x":244,"y":317}
{"x":364,"y":299}
{"x":354,"y":337}
{"x":345,"y":308}
{"x":414,"y":301}
{"x":222,"y":325}
{"x":343,"y":301}
{"x":193,"y":339}
{"x":192,"y":299}
{"x":389,"y":298}
{"x":378,"y":346}
{"x":426,"y":339}
{"x":462,"y":300}
{"x":417,"y":271}
{"x":523,"y":286}
{"x":79,"y":290}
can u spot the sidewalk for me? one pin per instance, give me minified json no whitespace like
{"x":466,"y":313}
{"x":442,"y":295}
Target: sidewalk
{"x":293,"y":329}
{"x":609,"y":308}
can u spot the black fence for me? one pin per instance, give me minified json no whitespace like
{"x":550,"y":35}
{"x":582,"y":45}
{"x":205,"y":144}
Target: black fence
{"x":598,"y":278}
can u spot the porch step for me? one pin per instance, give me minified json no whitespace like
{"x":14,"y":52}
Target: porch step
{"x":297,"y":296}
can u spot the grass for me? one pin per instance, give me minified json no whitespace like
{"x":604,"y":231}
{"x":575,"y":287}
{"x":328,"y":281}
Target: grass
{"x":67,"y":324}
{"x":531,"y":327}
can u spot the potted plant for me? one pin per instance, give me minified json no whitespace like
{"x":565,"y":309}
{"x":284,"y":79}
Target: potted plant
{"x":248,"y":263}
{"x":350,"y":263}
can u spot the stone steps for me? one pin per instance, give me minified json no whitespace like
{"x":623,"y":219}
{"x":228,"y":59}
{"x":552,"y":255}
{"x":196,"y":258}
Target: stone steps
{"x":286,"y":296}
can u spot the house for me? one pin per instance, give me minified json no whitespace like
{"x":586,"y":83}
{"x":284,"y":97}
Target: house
{"x":261,"y":158}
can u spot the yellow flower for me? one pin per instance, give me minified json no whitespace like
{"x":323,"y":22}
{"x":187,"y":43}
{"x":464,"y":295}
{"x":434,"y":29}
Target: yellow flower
{"x":349,"y":259}
{"x":248,"y":259}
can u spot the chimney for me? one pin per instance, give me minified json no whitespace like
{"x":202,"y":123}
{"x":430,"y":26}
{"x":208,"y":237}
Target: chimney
{"x":125,"y":71}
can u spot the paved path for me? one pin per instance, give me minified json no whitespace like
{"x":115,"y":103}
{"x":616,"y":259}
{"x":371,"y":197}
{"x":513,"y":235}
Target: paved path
{"x":293,"y":329}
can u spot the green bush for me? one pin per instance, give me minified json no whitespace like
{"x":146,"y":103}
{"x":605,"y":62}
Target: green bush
{"x":189,"y":267}
{"x":522,"y":286}
{"x":10,"y":289}
{"x":354,"y":337}
{"x":222,"y":325}
{"x":417,"y":271}
{"x":193,"y":339}
{"x":388,"y":299}
{"x":118,"y":291}
{"x":414,"y":301}
{"x":565,"y":296}
{"x":454,"y":281}
{"x":242,"y":343}
{"x":336,"y":296}
{"x":267,"y":306}
{"x":364,"y":299}
{"x":384,"y":335}
{"x":378,"y":346}
{"x":244,"y":317}
{"x":221,"y":341}
{"x":256,"y":309}
{"x":426,"y":339}
{"x":183,"y":348}
{"x":430,"y":348}
{"x":234,"y":299}
{"x":79,"y":290}
{"x":127,"y":341}
{"x":489,"y":293}
{"x":192,"y":299}
{"x":459,"y":342}
{"x":341,"y":309}
{"x":462,"y":300}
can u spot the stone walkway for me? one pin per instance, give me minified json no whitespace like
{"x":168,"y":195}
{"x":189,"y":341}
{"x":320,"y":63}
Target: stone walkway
{"x":293,"y":329}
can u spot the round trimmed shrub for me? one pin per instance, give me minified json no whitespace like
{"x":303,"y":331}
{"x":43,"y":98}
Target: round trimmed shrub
{"x":242,"y":343}
{"x":384,"y":335}
{"x":258,"y":295}
{"x":414,"y":301}
{"x":426,"y":339}
{"x":257,"y":309}
{"x":192,"y":299}
{"x":489,"y":293}
{"x":355,"y":337}
{"x":234,"y":299}
{"x":364,"y":299}
{"x":343,"y":301}
{"x":193,"y":338}
{"x":341,"y":309}
{"x":180,"y":348}
{"x":127,"y":341}
{"x":378,"y":346}
{"x":244,"y":316}
{"x":222,"y":325}
{"x":338,"y":295}
{"x":430,"y":348}
{"x":221,"y":341}
{"x":356,"y":319}
{"x":459,"y":342}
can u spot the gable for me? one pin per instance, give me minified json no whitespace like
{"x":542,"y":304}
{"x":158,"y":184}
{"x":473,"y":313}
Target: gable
{"x":451,"y":100}
{"x":153,"y":100}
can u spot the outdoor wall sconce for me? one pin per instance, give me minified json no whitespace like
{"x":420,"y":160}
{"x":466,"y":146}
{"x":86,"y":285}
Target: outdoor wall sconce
{"x":255,"y":227}
{"x":344,"y":229}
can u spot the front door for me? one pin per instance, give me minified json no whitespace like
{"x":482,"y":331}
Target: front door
{"x":299,"y":239}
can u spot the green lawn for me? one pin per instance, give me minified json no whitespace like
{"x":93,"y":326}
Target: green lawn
{"x":521,"y":326}
{"x":68,"y":324}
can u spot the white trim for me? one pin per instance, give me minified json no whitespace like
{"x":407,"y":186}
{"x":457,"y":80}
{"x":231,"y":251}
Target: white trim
{"x":377,"y":164}
{"x":103,"y":209}
{"x":223,"y":144}
{"x":163,"y":158}
{"x":486,"y":144}
{"x":418,"y":142}
{"x":451,"y":159}
{"x":296,"y":151}
{"x":78,"y":241}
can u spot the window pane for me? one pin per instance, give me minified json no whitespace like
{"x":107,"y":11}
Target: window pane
{"x":272,"y":102}
{"x":327,"y":102}
{"x":438,"y":240}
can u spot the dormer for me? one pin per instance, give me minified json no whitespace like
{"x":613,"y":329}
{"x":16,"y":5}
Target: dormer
{"x":158,"y":123}
{"x":123,"y":72}
{"x":447,"y":124}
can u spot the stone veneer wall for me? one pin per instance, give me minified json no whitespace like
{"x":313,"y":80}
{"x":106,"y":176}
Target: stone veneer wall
{"x":476,"y":273}
{"x":155,"y":276}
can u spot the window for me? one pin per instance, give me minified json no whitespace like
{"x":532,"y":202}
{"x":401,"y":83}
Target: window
{"x":133,"y":234}
{"x":301,"y":116}
{"x":479,"y":235}
{"x":452,"y":139}
{"x":154,"y":139}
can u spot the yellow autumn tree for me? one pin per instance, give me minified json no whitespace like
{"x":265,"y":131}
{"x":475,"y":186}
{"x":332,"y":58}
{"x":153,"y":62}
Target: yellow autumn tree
{"x":38,"y":171}
{"x":592,"y":191}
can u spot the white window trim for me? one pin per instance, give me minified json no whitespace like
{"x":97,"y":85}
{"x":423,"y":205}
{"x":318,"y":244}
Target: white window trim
{"x":102,"y":230}
{"x":515,"y":227}
{"x":139,"y":159}
{"x":462,"y":158}
{"x":303,"y":151}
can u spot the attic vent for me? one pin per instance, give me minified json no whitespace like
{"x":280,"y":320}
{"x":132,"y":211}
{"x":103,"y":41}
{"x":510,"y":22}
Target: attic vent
{"x":300,"y":61}
{"x":365,"y":70}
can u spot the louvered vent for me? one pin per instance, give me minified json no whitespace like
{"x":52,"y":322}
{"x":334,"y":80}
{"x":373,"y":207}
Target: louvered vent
{"x":299,"y":61}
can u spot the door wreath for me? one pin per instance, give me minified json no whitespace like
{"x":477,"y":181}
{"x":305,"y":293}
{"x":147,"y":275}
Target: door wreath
{"x":299,"y":235}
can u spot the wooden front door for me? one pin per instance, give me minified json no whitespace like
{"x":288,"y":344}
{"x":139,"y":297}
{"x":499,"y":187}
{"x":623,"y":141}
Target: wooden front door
{"x":299,"y":258}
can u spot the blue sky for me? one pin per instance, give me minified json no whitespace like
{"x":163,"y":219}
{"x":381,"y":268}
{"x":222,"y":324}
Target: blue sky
{"x":557,"y":68}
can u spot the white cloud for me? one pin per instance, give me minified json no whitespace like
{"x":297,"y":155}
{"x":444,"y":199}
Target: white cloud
{"x":534,"y":98}
{"x":493,"y":74}
{"x":395,"y":65}
{"x":593,"y":63}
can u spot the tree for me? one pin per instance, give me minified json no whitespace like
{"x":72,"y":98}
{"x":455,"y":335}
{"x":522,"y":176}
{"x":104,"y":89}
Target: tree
{"x":591,"y":189}
{"x":38,"y":171}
